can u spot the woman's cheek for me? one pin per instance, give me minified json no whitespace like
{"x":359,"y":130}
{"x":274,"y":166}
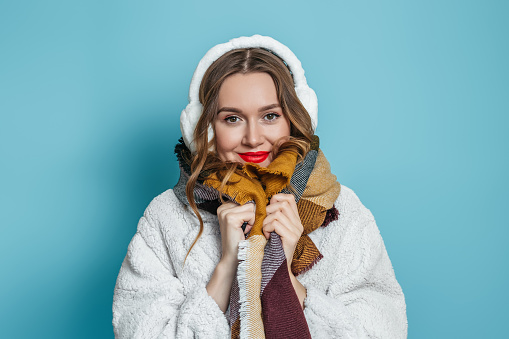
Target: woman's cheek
{"x":227,"y":140}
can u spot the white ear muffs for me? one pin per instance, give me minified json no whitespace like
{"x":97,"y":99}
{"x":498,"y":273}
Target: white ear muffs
{"x":191,"y":114}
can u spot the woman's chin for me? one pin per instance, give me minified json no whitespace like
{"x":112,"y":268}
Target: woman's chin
{"x":265,"y":163}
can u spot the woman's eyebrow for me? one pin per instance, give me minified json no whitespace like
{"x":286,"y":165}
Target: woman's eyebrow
{"x":236,"y":110}
{"x":229,"y":109}
{"x":271,"y":106}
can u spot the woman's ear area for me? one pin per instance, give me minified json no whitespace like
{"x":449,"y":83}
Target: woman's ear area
{"x":188,"y":122}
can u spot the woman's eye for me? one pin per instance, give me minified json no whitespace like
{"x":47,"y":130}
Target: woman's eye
{"x":231,"y":119}
{"x":272,"y":116}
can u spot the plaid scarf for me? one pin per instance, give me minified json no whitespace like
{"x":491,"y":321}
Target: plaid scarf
{"x":263,"y":302}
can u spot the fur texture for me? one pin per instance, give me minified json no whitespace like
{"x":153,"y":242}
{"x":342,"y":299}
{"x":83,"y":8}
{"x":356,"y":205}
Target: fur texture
{"x":351,"y":293}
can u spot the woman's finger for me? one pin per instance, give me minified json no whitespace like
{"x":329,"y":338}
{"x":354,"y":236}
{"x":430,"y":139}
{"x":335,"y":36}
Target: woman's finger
{"x":287,"y":228}
{"x":286,"y":209}
{"x":234,"y":207}
{"x":234,"y":216}
{"x":288,"y":236}
{"x":269,"y":228}
{"x":231,"y":217}
{"x":285,"y":199}
{"x":237,"y":218}
{"x":225,"y":206}
{"x":250,"y":222}
{"x":284,"y":202}
{"x":282,"y":218}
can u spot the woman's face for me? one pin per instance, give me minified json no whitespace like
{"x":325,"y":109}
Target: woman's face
{"x":250,"y":119}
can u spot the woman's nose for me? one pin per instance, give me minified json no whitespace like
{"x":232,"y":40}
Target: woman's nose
{"x":253,"y":135}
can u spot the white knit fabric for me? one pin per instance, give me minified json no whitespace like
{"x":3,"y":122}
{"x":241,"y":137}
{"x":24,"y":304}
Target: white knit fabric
{"x":191,"y":114}
{"x":351,"y":293}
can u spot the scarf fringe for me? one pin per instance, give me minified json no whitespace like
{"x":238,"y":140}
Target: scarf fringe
{"x":331,"y":215}
{"x":242,"y":280}
{"x":249,"y":275}
{"x":310,"y":266}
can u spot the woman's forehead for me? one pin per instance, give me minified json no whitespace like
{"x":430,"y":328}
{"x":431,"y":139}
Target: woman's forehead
{"x":251,"y":90}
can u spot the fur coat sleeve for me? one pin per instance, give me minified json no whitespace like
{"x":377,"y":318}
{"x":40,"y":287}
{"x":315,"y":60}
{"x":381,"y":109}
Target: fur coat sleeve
{"x":351,"y":293}
{"x":155,"y":297}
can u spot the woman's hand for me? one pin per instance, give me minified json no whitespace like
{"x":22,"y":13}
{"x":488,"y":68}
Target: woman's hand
{"x":283,"y":218}
{"x":231,"y":216}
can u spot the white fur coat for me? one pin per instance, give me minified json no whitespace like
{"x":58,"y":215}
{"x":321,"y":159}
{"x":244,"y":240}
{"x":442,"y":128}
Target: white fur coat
{"x":351,"y":293}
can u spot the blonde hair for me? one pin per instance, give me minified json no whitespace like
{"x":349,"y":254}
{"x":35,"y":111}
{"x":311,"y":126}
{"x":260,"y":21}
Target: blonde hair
{"x":245,"y":60}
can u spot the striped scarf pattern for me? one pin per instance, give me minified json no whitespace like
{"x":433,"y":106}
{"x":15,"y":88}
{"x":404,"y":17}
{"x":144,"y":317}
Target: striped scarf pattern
{"x":263,"y":303}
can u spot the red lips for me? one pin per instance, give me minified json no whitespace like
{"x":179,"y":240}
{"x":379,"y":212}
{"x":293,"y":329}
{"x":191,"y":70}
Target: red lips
{"x":255,"y":157}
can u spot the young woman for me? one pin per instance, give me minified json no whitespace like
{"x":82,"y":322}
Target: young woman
{"x":257,"y":239}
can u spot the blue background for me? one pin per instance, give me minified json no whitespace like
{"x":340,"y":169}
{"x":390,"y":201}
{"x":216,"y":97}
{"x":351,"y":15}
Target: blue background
{"x":413,"y":115}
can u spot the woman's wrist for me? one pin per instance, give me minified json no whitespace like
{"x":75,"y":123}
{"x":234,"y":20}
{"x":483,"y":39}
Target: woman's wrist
{"x":300,"y":290}
{"x":220,"y":283}
{"x":229,"y":262}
